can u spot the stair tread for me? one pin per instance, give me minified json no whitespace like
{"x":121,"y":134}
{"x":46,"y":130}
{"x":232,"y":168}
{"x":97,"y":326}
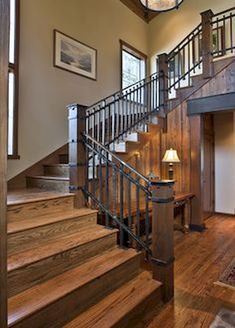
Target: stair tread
{"x":31,"y":300}
{"x":49,"y":177}
{"x":56,"y":246}
{"x":118,"y":304}
{"x":56,"y":165}
{"x":31,"y":195}
{"x":42,"y":220}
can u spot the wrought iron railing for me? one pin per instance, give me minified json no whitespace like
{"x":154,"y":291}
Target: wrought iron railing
{"x":120,"y":193}
{"x":223,"y":26}
{"x":114,"y":117}
{"x":184,"y":60}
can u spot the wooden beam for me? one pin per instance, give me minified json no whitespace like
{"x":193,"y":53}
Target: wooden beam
{"x":140,"y":10}
{"x":217,"y":103}
{"x":207,"y":44}
{"x":4,"y":41}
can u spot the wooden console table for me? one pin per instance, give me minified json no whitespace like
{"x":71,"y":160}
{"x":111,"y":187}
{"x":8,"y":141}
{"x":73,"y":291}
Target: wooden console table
{"x":183,"y":202}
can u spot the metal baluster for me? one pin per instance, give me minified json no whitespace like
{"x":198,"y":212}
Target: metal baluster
{"x":107,"y":189}
{"x":114,"y":193}
{"x":189,"y":64}
{"x":100,"y":180}
{"x":138,"y":208}
{"x":217,"y":35}
{"x":121,"y":206}
{"x":147,"y":223}
{"x":118,"y":116}
{"x":231,"y":32}
{"x":103,"y":126}
{"x":193,"y":53}
{"x":129,"y":208}
{"x":98,"y":123}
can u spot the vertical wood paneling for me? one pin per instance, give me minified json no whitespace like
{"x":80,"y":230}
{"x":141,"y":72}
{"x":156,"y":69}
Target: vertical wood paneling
{"x":4,"y":35}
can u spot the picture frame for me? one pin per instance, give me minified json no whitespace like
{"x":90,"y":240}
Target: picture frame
{"x":74,"y":56}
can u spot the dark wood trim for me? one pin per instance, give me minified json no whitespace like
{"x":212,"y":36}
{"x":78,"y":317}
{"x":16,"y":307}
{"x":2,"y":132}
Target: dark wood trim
{"x":217,"y":103}
{"x":136,"y":7}
{"x":67,"y":70}
{"x":4,"y":41}
{"x":134,"y":52}
{"x":14,"y":68}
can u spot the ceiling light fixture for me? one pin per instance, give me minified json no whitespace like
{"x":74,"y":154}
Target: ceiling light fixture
{"x":161,"y":5}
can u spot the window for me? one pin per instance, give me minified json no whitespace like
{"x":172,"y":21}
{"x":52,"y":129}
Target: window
{"x":133,"y":65}
{"x":13,"y":80}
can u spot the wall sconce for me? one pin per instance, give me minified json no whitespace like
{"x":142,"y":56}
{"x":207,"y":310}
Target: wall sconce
{"x":171,"y":157}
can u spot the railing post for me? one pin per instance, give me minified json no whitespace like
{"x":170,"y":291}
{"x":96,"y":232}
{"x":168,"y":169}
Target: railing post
{"x":163,"y":86}
{"x":207,"y":44}
{"x":77,"y":153}
{"x":163,"y":236}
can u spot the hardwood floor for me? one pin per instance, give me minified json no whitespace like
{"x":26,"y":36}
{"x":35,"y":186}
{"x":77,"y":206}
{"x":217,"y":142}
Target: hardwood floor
{"x":200,"y":259}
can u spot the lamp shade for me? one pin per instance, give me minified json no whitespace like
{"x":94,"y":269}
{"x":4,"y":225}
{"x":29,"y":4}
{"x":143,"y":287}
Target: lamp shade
{"x":161,"y":5}
{"x":171,"y":156}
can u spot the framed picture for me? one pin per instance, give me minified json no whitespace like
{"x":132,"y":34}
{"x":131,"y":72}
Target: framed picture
{"x":74,"y":56}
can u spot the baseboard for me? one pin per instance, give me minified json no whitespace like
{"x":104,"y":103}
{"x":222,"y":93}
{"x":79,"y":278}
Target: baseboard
{"x":197,"y":227}
{"x":225,"y":214}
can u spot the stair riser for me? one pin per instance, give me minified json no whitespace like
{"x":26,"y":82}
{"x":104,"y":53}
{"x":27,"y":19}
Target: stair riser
{"x":68,"y":307}
{"x":35,"y":273}
{"x":26,"y":239}
{"x":64,"y":158}
{"x":136,"y":315}
{"x":54,"y":185}
{"x":30,"y":210}
{"x":58,"y":171}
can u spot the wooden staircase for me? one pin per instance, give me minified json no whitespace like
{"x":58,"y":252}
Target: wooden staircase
{"x":139,"y":143}
{"x":65,"y":270}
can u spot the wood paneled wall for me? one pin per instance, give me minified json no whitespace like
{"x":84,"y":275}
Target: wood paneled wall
{"x":185,"y":135}
{"x":4,"y":34}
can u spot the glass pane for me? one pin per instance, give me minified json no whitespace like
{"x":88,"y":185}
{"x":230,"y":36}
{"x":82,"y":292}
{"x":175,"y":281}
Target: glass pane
{"x":12,"y":31}
{"x":133,"y":69}
{"x":11,"y":113}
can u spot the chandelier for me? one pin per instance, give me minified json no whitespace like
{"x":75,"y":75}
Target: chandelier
{"x":161,"y":5}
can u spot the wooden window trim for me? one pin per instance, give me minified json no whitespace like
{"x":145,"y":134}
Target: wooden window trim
{"x":134,"y":52}
{"x":15,"y":68}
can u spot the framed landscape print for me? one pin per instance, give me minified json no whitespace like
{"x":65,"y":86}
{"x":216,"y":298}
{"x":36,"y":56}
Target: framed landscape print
{"x":74,"y":56}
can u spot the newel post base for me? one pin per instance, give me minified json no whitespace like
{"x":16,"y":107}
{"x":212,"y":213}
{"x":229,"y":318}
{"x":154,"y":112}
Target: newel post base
{"x":77,"y":153}
{"x":163,"y":236}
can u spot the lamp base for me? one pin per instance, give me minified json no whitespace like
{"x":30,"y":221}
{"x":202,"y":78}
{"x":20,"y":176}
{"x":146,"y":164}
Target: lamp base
{"x":171,"y":172}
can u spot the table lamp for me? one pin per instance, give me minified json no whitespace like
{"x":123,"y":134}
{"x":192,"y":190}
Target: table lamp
{"x":171,"y":157}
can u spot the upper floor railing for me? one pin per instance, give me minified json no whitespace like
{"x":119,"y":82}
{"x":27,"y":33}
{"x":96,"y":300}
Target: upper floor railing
{"x":214,"y":37}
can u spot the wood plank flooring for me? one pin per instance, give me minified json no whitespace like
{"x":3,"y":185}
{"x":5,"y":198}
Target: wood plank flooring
{"x":200,"y":259}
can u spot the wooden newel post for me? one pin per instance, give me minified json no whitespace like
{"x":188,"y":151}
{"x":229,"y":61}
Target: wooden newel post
{"x":163,"y":236}
{"x":77,"y":152}
{"x":207,"y":44}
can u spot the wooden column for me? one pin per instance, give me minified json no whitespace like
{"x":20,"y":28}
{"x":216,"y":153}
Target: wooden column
{"x":196,"y":131}
{"x":163,"y":86}
{"x":77,"y":154}
{"x":4,"y":41}
{"x":207,"y":44}
{"x":163,"y":236}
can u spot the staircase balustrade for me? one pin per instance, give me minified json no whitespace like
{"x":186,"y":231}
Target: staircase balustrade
{"x":141,"y":209}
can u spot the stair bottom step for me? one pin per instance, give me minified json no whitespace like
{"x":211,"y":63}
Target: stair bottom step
{"x":123,"y":307}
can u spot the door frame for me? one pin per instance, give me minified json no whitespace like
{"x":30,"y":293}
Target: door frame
{"x":4,"y":41}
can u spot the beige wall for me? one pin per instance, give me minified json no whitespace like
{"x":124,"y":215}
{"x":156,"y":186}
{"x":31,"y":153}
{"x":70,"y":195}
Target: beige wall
{"x":168,"y":29}
{"x":225,"y":163}
{"x":45,"y":90}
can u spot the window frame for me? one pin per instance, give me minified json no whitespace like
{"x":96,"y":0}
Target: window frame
{"x":14,"y":68}
{"x":124,"y":46}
